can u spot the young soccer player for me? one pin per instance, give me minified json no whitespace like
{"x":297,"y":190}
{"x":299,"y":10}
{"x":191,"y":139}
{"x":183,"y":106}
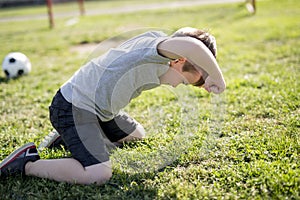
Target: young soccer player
{"x":86,"y":110}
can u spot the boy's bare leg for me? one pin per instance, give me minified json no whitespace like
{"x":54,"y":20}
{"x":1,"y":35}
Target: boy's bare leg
{"x":70,"y":170}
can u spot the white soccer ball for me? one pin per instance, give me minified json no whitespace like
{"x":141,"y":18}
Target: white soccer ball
{"x":16,"y":64}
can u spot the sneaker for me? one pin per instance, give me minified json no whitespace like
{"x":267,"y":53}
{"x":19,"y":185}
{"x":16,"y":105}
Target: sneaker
{"x":52,"y":140}
{"x":16,"y":161}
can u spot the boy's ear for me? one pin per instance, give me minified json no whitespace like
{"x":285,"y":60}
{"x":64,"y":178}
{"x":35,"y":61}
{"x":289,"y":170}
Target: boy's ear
{"x":178,"y":64}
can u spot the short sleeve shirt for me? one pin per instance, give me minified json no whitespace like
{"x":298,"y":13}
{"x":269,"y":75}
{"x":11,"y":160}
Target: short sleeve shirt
{"x":108,"y":83}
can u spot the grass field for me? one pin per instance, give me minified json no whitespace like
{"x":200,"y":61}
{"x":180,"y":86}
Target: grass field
{"x":243,"y":144}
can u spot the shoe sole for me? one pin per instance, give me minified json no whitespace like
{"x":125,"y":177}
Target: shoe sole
{"x":16,"y":153}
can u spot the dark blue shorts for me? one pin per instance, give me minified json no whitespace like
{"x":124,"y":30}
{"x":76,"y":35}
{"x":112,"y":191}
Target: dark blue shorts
{"x":85,"y":135}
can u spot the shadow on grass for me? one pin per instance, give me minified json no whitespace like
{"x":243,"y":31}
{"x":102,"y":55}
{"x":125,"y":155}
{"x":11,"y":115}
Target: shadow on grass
{"x":4,"y":80}
{"x":121,"y":186}
{"x":131,"y":186}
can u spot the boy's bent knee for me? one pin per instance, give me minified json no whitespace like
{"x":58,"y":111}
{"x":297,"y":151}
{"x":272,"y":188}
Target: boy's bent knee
{"x":99,"y":173}
{"x":138,"y":134}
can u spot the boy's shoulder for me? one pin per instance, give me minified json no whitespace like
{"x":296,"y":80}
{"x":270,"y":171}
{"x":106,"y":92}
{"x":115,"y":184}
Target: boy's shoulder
{"x":150,"y":34}
{"x":143,"y":39}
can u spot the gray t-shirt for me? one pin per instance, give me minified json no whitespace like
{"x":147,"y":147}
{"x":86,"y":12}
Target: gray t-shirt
{"x":107,"y":84}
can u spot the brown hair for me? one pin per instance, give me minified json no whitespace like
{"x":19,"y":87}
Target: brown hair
{"x":205,"y":37}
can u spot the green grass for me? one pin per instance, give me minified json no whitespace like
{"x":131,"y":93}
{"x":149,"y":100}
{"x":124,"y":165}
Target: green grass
{"x":243,"y":144}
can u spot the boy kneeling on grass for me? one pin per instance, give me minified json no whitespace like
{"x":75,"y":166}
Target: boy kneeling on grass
{"x":85,"y":111}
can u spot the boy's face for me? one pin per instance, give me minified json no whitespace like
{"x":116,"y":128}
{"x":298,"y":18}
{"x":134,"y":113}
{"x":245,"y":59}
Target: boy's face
{"x":185,"y":77}
{"x":193,"y":78}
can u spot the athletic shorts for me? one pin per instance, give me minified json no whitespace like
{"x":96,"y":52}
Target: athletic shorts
{"x":85,"y":135}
